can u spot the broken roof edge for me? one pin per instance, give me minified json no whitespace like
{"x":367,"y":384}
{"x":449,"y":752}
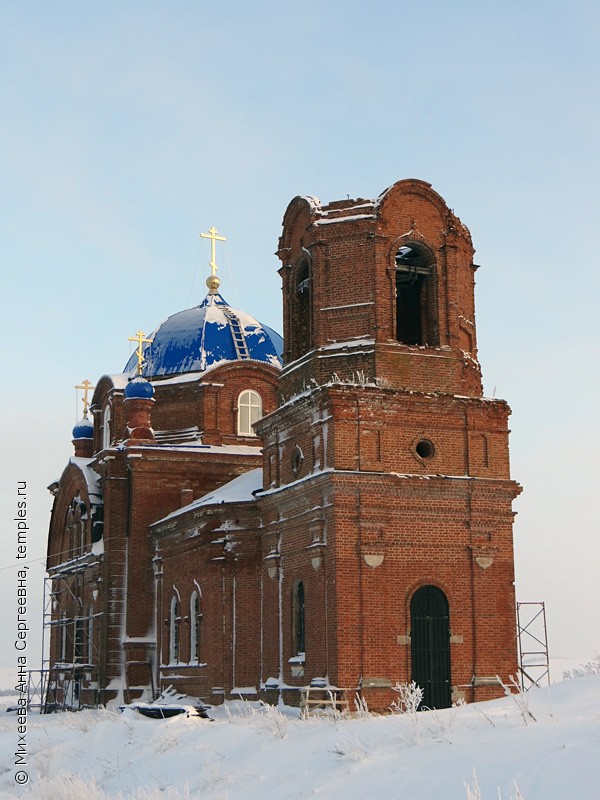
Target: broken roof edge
{"x":238,"y":490}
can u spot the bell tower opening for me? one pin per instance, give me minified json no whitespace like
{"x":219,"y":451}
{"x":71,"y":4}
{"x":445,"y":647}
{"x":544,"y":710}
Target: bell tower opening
{"x":416,"y":312}
{"x":302,"y":311}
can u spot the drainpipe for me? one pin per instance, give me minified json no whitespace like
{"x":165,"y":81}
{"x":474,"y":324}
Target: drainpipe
{"x":361,"y":629}
{"x":471,"y":559}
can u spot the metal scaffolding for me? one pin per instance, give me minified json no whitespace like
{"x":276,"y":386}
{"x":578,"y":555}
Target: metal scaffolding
{"x":69,"y":681}
{"x":532,"y":638}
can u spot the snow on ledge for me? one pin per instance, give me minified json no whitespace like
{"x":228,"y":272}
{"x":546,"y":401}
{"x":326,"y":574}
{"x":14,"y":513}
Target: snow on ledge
{"x":239,"y":490}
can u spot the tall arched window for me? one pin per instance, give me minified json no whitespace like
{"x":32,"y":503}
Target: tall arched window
{"x":106,"y":435}
{"x":416,"y":305}
{"x":301,"y":311}
{"x":195,"y":627}
{"x":174,"y":622}
{"x":249,"y":411}
{"x":70,"y":528}
{"x":298,"y":627}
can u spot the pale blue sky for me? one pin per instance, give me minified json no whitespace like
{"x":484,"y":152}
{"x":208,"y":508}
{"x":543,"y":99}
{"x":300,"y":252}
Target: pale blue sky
{"x":129,"y":127}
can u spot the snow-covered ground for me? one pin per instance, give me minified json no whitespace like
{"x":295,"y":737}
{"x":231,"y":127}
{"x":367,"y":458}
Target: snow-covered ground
{"x":545,"y":746}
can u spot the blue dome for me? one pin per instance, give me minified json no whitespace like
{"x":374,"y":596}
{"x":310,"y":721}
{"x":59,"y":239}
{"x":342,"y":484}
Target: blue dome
{"x":205,"y":336}
{"x":138,"y":387}
{"x":84,"y":429}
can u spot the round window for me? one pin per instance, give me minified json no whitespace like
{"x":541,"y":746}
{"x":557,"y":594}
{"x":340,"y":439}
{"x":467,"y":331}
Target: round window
{"x":425,"y":448}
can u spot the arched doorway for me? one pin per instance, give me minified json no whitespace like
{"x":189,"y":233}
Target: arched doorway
{"x":430,"y":646}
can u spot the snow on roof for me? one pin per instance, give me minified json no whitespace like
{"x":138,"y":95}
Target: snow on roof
{"x":204,"y":336}
{"x":119,"y":381}
{"x":356,"y":342}
{"x":352,"y":207}
{"x":225,"y":449}
{"x":92,"y":478}
{"x":312,"y":201}
{"x":350,"y":218}
{"x":187,"y":377}
{"x":239,"y":490}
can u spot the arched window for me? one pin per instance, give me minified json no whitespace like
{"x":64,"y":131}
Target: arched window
{"x":416,"y":309}
{"x":174,"y":622}
{"x":79,"y":510}
{"x":249,"y":411}
{"x":195,"y":627}
{"x":70,"y":536}
{"x":301,"y":321}
{"x":106,"y":434}
{"x":298,"y":627}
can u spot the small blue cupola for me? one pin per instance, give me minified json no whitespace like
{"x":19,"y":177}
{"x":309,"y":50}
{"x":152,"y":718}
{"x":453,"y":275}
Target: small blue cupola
{"x":139,"y":388}
{"x":84,"y":429}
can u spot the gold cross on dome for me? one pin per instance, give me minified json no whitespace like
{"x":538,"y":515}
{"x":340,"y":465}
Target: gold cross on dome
{"x":139,"y":338}
{"x":212,"y":235}
{"x":87,"y":387}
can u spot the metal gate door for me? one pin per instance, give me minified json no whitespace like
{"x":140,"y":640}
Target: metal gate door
{"x":430,"y":646}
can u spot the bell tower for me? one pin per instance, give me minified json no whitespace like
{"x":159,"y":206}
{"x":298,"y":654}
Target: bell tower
{"x":387,"y":493}
{"x":381,"y":287}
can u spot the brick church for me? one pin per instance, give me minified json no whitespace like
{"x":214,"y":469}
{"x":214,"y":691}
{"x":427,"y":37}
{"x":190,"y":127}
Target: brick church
{"x":247,"y":516}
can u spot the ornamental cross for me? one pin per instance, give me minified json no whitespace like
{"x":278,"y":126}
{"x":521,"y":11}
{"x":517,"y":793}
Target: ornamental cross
{"x":139,"y":338}
{"x":87,"y":387}
{"x":212,"y":235}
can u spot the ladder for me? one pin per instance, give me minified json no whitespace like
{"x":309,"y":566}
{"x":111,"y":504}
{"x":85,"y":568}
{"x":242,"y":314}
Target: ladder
{"x":237,"y":334}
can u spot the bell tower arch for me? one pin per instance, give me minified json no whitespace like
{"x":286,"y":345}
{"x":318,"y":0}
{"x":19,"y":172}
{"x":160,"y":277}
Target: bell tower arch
{"x":302,"y":308}
{"x":416,"y":319}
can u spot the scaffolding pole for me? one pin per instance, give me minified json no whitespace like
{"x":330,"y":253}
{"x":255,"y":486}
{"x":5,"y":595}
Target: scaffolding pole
{"x":532,"y":638}
{"x":71,"y":681}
